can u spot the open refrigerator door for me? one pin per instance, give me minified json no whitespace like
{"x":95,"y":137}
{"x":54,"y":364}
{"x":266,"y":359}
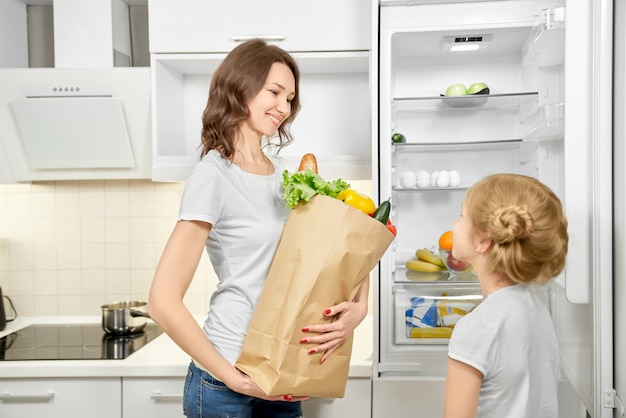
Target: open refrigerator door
{"x":518,"y":124}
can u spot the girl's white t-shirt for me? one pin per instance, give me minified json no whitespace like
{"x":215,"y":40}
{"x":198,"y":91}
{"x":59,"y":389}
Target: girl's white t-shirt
{"x":247,"y":215}
{"x":511,"y":340}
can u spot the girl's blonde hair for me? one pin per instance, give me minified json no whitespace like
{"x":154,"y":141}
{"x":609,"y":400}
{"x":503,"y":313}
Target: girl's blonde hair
{"x":526,"y":223}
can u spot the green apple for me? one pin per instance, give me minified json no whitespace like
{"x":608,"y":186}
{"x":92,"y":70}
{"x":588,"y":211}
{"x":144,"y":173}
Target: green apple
{"x":476,"y":87}
{"x":456,"y":90}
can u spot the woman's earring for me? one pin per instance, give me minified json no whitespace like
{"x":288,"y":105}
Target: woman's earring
{"x":477,"y":251}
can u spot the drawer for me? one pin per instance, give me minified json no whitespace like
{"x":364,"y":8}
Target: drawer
{"x":427,"y":314}
{"x":67,"y":397}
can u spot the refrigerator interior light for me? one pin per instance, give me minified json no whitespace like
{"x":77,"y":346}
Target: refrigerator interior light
{"x":457,"y":43}
{"x":464,"y":47}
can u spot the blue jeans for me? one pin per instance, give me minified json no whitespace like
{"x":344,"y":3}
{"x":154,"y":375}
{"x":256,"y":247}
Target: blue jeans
{"x":206,"y":397}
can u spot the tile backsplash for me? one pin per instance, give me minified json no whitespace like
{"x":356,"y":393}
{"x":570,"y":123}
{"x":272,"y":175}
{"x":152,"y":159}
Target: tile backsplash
{"x":68,"y":247}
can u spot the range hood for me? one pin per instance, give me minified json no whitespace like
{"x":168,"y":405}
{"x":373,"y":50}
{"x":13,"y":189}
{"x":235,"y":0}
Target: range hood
{"x":53,"y":131}
{"x":88,"y":117}
{"x":61,"y":124}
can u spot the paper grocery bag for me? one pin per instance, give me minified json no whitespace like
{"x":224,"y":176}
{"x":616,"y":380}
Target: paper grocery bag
{"x":326,"y":249}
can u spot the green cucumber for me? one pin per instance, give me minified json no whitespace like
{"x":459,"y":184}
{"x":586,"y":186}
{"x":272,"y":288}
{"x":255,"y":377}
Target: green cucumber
{"x":382,"y":213}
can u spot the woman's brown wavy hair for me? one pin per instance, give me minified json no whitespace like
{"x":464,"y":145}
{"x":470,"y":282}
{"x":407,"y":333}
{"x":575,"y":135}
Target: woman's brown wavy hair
{"x":236,"y":81}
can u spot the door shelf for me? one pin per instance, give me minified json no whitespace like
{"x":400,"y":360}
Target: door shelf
{"x":545,"y":123}
{"x":545,"y":43}
{"x":463,"y":103}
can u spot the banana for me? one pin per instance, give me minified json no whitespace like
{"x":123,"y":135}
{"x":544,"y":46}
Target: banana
{"x":425,"y":254}
{"x":425,"y":276}
{"x":421,"y":265}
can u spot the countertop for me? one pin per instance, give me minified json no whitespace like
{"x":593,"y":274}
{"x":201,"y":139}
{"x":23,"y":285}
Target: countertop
{"x":161,"y":357}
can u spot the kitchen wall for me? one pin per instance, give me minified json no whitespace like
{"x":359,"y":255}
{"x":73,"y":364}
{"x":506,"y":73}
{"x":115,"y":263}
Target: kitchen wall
{"x":68,"y":247}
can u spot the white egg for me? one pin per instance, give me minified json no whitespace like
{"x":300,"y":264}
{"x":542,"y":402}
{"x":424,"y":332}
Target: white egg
{"x":433,"y":178}
{"x":408,"y":179}
{"x":423,"y":178}
{"x":455,"y":178}
{"x":443,"y":179}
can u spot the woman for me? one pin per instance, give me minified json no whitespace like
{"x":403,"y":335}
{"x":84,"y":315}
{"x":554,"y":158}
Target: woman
{"x":232,"y":206}
{"x":503,"y":357}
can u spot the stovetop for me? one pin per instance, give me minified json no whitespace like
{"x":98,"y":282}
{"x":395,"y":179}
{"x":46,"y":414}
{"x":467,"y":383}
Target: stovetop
{"x":72,"y":342}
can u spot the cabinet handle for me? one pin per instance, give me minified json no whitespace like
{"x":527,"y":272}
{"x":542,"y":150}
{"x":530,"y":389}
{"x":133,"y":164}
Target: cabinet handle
{"x":243,"y":38}
{"x":8,"y":397}
{"x":158,"y":396}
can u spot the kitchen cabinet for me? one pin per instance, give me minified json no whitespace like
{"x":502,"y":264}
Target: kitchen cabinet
{"x":198,"y":26}
{"x":334,"y":86}
{"x":156,"y":397}
{"x":180,"y":86}
{"x":409,"y":397}
{"x":163,"y":397}
{"x":356,"y":402}
{"x":61,"y":397}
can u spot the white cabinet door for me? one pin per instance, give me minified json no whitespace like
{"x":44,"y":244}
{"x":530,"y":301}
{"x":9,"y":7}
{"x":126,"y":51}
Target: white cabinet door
{"x":61,"y":398}
{"x":408,"y":397}
{"x":356,"y":403}
{"x":217,"y":26}
{"x":152,"y":397}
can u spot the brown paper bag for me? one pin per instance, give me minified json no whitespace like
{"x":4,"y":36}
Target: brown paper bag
{"x":326,"y":249}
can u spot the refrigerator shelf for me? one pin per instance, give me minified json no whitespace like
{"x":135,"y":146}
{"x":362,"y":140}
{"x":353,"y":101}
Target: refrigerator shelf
{"x":463,"y":103}
{"x":458,"y":146}
{"x":438,"y":278}
{"x":428,"y":189}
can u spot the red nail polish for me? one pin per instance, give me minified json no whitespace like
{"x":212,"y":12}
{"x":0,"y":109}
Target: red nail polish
{"x":327,"y":311}
{"x":305,"y":330}
{"x":287,"y":397}
{"x":312,"y":351}
{"x":304,"y":340}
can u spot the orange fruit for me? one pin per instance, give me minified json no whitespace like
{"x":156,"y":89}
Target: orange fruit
{"x":445,"y":241}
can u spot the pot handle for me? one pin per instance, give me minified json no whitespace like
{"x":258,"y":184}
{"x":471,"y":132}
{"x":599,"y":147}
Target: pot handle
{"x":135,"y":313}
{"x":12,"y":308}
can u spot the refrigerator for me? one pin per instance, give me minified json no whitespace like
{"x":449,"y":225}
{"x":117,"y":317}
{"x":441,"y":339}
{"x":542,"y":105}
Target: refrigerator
{"x":548,"y":113}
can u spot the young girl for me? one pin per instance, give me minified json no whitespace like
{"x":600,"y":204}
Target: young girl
{"x":232,"y":206}
{"x":503,"y":357}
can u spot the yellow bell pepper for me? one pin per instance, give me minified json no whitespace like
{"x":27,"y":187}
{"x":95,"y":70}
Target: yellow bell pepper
{"x":358,"y":201}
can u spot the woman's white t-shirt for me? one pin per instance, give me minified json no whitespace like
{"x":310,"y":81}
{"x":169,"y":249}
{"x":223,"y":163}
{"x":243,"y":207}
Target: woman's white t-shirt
{"x":511,"y":340}
{"x":247,"y":215}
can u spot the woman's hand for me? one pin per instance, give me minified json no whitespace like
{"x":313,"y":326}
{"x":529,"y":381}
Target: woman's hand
{"x":242,"y":383}
{"x":331,"y":335}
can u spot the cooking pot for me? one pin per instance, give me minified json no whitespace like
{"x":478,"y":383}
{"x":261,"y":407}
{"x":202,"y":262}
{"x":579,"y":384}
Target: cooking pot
{"x":122,"y":318}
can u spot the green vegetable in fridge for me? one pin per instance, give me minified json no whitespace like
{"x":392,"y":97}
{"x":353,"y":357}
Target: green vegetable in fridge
{"x":398,"y":138}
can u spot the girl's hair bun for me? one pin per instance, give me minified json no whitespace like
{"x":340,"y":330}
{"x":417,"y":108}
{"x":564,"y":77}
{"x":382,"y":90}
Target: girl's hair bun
{"x":510,"y":223}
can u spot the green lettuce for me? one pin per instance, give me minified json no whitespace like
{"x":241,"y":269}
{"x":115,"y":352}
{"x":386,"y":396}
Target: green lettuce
{"x":303,"y":185}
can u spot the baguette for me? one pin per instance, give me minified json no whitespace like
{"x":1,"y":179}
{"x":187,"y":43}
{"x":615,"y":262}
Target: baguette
{"x":308,"y":161}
